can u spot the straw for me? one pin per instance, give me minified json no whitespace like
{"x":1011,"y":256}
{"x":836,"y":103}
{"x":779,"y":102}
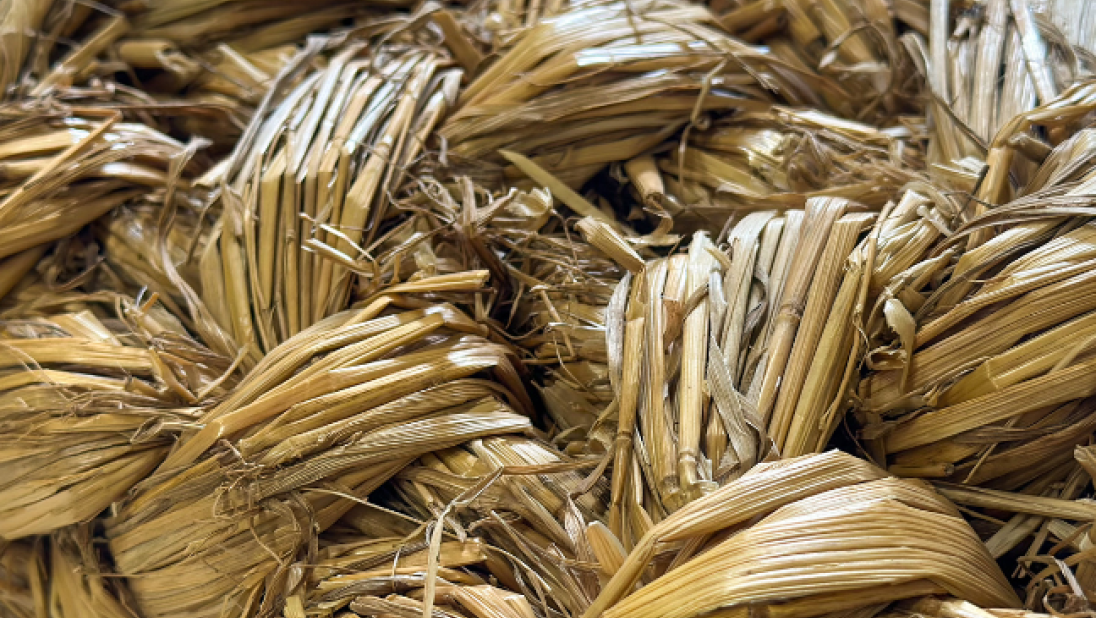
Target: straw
{"x":90,"y":409}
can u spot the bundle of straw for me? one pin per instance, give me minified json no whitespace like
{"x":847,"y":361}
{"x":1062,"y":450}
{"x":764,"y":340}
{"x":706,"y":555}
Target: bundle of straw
{"x":605,"y":83}
{"x":486,"y":519}
{"x":60,"y":173}
{"x":980,"y":370}
{"x":21,"y":574}
{"x":986,"y":64}
{"x":195,"y":68}
{"x":87,"y":409}
{"x":800,"y":537}
{"x":368,"y":573}
{"x":306,"y":191}
{"x":985,"y":349}
{"x":805,"y":537}
{"x":774,"y":158}
{"x":323,"y":420}
{"x":166,"y":47}
{"x":534,"y":515}
{"x":853,"y":44}
{"x":722,"y":357}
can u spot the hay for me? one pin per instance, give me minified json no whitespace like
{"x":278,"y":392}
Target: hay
{"x":303,"y":196}
{"x":369,"y":392}
{"x":776,"y":158}
{"x":546,"y":310}
{"x":610,"y":82}
{"x":89,"y":409}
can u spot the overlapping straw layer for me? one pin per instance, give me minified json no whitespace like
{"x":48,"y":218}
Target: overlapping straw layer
{"x":197,"y":67}
{"x":980,"y":367}
{"x":728,"y":354}
{"x":305,"y":195}
{"x":800,"y":537}
{"x":323,"y":420}
{"x":506,"y":537}
{"x":993,"y":340}
{"x":58,"y":173}
{"x":609,"y":82}
{"x":854,"y":44}
{"x":804,"y":537}
{"x":774,"y":158}
{"x":88,"y":408}
{"x":986,"y":64}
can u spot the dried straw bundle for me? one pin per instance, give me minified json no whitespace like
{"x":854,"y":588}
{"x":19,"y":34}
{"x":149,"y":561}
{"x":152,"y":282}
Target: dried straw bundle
{"x":306,"y":191}
{"x":88,"y":408}
{"x":170,"y":47}
{"x":988,"y":63}
{"x":752,"y":340}
{"x":366,"y":572}
{"x":774,"y":158}
{"x":322,"y":421}
{"x":852,"y":44}
{"x":992,"y":340}
{"x":605,"y":83}
{"x":497,"y":542}
{"x":805,"y":537}
{"x":800,"y":537}
{"x":21,"y":572}
{"x":193,"y":68}
{"x":726,"y":355}
{"x":62,"y":172}
{"x":534,"y":515}
{"x":980,"y":368}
